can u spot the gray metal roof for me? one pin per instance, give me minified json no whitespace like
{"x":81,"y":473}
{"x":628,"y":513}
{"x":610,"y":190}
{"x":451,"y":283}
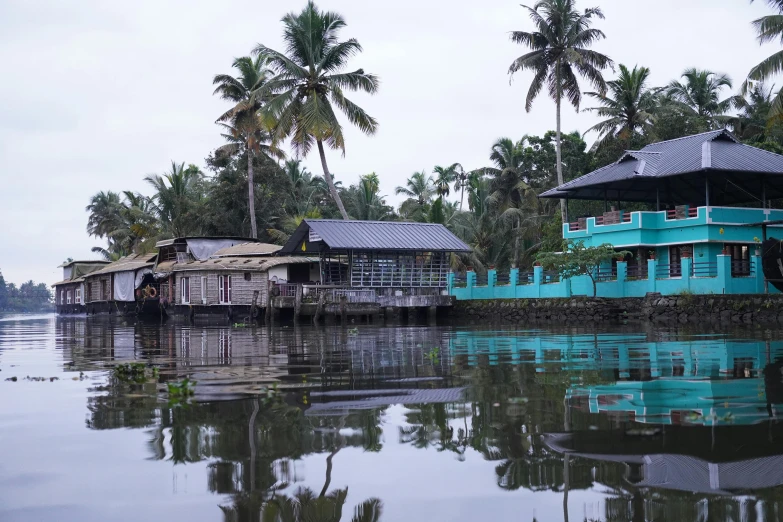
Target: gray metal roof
{"x":677,"y":171}
{"x":339,"y":234}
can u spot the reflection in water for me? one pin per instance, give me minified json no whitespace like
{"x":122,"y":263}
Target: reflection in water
{"x":623,"y":426}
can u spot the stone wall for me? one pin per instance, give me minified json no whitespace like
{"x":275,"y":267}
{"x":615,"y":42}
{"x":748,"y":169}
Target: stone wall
{"x":684,"y":309}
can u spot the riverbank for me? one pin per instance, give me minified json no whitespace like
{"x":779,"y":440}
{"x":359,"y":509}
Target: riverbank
{"x":682,"y":309}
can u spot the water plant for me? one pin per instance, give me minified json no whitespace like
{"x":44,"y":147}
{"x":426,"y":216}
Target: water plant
{"x":353,"y":331}
{"x":133,"y":372}
{"x":181,"y":389}
{"x":432,"y":355}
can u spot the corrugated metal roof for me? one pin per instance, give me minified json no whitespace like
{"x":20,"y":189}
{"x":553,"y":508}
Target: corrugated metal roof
{"x":716,"y":154}
{"x":88,"y":262}
{"x":377,"y":235}
{"x":242,"y":264}
{"x":132,"y":262}
{"x":167,"y":242}
{"x":248,"y":249}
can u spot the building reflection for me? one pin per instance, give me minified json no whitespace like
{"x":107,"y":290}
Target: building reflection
{"x":616,"y":414}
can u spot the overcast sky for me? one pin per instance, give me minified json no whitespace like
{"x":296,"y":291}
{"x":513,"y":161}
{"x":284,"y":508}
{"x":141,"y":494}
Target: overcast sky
{"x":95,"y":95}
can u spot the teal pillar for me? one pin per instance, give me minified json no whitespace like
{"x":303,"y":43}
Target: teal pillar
{"x":724,"y":273}
{"x":513,"y":277}
{"x":492,"y":279}
{"x":685,"y":265}
{"x":538,"y":279}
{"x":450,"y":282}
{"x":622,"y":276}
{"x":758,"y":273}
{"x":652,"y":266}
{"x":471,"y":282}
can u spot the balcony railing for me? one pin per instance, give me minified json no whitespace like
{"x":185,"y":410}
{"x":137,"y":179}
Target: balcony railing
{"x":606,"y":274}
{"x":634,"y":272}
{"x":741,"y":268}
{"x":704,"y":269}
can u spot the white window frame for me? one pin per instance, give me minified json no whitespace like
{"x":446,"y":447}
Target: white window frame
{"x":222,"y":280}
{"x":67,"y":297}
{"x":203,"y":289}
{"x":62,"y":297}
{"x":78,"y":299}
{"x":184,"y":284}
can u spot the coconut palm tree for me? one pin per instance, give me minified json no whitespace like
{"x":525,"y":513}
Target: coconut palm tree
{"x":768,"y":29}
{"x":699,"y":95}
{"x":559,"y":52}
{"x":750,"y":124}
{"x":176,"y":192}
{"x":244,"y":129}
{"x":419,"y":190}
{"x":308,"y":85}
{"x":445,"y":176}
{"x":365,"y":202}
{"x":628,"y":107}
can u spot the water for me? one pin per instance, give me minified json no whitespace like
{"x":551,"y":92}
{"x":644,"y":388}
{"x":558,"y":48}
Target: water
{"x":388,"y":424}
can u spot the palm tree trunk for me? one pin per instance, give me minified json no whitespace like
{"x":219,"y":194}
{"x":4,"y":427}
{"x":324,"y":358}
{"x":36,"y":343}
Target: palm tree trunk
{"x":558,"y":146}
{"x":461,"y":196}
{"x":251,"y":195}
{"x":330,"y":182}
{"x":516,"y":245}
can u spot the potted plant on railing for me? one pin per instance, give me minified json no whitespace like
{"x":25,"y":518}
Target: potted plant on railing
{"x":651,"y":255}
{"x":725,"y":251}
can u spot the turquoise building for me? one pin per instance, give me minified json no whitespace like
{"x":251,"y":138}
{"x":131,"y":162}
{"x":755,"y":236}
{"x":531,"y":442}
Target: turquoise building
{"x":711,"y":196}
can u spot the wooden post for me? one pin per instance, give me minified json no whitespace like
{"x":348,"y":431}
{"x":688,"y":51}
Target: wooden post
{"x":343,"y":311}
{"x":254,"y":306}
{"x":319,"y":309}
{"x":297,"y":301}
{"x":268,"y":311}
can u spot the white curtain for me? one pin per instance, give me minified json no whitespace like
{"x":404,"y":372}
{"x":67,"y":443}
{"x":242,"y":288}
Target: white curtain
{"x":124,"y":286}
{"x":203,"y":248}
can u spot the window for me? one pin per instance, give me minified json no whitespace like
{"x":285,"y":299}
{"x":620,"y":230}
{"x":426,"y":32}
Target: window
{"x":88,"y":296}
{"x":68,"y":297}
{"x":184,"y":284}
{"x":78,"y":296}
{"x":62,"y":297}
{"x":248,"y":276}
{"x":224,"y":282}
{"x":203,"y":290}
{"x":104,"y":291}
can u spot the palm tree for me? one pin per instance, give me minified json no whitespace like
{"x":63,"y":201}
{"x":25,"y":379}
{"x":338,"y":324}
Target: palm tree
{"x":419,"y":190}
{"x":103,"y":212}
{"x":307,"y":84}
{"x":175,"y":194}
{"x":768,"y":29}
{"x":628,"y":107}
{"x":559,"y":52}
{"x":244,"y":128}
{"x":445,"y":176}
{"x":699,"y":95}
{"x":365,"y":202}
{"x":509,"y":185}
{"x":750,"y":124}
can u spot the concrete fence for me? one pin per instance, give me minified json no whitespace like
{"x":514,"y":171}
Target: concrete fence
{"x":689,"y":276}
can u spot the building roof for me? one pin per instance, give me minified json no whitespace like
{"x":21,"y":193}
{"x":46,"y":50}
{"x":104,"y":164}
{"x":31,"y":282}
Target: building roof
{"x":236,"y":263}
{"x":676,"y":171}
{"x":248,"y":249}
{"x":338,"y":234}
{"x":87,"y":262}
{"x":132,"y":262}
{"x":168,"y":242}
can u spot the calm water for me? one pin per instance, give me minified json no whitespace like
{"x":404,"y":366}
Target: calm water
{"x":388,"y":424}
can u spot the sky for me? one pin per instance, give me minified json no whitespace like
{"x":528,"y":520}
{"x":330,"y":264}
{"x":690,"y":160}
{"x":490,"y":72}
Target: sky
{"x":97,"y":95}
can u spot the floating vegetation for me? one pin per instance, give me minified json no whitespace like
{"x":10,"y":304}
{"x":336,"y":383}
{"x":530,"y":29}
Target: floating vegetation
{"x":182,"y":389}
{"x":353,"y":331}
{"x":12,"y":379}
{"x":432,"y":355}
{"x":241,"y":325}
{"x":133,"y":372}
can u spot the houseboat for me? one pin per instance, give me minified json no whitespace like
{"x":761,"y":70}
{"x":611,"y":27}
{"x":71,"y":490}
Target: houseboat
{"x":368,"y":267}
{"x":69,"y":294}
{"x":708,"y":197}
{"x":235,"y":282}
{"x":125,"y":287}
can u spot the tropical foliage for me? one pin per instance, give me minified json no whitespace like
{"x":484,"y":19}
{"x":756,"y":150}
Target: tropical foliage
{"x":28,"y":297}
{"x":294,"y":95}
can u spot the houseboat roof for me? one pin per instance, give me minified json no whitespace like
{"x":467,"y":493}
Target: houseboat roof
{"x":87,"y":262}
{"x":169,"y":242}
{"x":338,"y":234}
{"x":248,"y":249}
{"x":238,"y":264}
{"x":676,"y":172}
{"x":132,"y":262}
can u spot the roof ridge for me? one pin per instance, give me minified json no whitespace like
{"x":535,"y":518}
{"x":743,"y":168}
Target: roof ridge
{"x":334,"y":220}
{"x":717,"y":132}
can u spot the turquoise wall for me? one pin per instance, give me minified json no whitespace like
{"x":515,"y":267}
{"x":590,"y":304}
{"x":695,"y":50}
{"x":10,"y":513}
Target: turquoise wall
{"x":721,"y":283}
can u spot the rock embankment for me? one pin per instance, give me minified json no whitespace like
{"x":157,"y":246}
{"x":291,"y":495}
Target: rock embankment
{"x":682,"y":309}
